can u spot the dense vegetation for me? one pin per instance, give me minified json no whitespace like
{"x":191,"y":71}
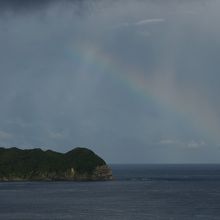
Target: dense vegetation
{"x":36,"y":163}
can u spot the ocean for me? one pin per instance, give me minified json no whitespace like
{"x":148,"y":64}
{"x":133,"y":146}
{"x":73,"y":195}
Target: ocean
{"x":138,"y":192}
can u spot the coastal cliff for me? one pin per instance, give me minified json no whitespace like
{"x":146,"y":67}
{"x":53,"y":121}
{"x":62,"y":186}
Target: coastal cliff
{"x":79,"y":164}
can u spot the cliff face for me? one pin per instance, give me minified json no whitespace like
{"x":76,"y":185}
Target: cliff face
{"x":100,"y":173}
{"x":79,"y":164}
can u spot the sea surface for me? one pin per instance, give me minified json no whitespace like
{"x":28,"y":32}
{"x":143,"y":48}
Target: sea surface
{"x":177,"y":192}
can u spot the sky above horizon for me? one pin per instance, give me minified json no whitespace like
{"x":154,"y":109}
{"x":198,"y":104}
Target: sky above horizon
{"x":135,"y":81}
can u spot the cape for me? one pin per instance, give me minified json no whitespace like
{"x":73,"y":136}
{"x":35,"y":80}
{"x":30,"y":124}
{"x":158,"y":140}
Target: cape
{"x":79,"y":164}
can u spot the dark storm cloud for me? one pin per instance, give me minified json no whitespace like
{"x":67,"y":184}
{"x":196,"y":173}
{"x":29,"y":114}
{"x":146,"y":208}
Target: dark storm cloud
{"x":137,"y":77}
{"x":23,"y":4}
{"x":31,"y":4}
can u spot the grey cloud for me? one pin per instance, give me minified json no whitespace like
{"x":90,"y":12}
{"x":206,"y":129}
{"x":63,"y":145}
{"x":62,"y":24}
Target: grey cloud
{"x":5,"y":135}
{"x":70,"y":77}
{"x":191,"y":144}
{"x":148,"y":21}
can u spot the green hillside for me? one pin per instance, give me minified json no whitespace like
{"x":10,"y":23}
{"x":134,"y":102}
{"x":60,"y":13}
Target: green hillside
{"x":36,"y":164}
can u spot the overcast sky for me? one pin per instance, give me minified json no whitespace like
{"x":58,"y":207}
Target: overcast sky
{"x":135,"y":81}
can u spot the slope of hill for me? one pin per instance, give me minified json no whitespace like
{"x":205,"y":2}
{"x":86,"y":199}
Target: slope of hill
{"x":79,"y":164}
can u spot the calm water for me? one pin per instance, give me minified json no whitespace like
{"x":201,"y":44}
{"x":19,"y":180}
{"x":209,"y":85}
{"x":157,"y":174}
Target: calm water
{"x":139,"y":192}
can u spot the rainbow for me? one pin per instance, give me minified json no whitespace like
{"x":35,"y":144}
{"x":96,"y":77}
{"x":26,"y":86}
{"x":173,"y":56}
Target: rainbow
{"x":147,"y":88}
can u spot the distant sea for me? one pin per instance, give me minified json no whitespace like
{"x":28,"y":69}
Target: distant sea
{"x":178,"y":192}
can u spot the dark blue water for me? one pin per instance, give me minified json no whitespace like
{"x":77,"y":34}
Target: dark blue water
{"x":139,"y":192}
